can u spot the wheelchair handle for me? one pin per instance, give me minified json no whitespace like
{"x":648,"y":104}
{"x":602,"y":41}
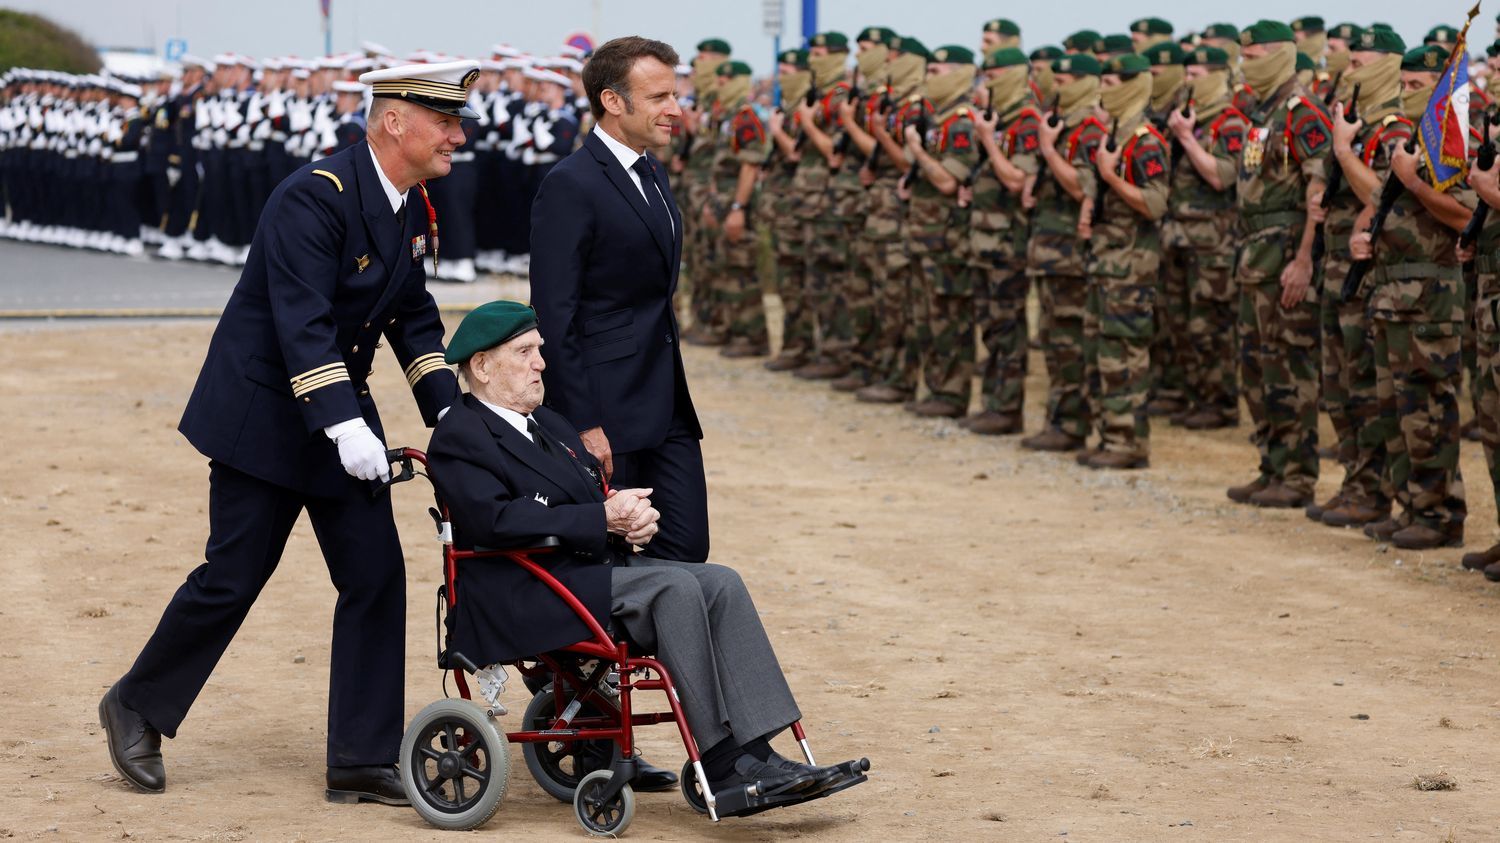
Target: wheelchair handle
{"x":403,"y":458}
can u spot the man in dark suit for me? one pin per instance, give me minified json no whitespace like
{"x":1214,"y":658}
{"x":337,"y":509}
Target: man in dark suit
{"x":606,"y":241}
{"x":513,"y":472}
{"x":283,"y":413}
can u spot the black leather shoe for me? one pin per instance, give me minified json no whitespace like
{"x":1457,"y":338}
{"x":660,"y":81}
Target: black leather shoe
{"x":649,"y":779}
{"x":134,"y":746}
{"x":823,"y":777}
{"x":380,"y":783}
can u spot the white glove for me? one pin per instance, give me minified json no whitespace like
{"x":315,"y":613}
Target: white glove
{"x":360,"y":450}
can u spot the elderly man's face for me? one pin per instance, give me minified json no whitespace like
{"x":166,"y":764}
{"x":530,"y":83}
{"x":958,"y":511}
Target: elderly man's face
{"x":510,"y":375}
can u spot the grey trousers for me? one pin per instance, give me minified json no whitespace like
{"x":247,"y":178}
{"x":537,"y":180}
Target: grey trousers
{"x":699,"y":620}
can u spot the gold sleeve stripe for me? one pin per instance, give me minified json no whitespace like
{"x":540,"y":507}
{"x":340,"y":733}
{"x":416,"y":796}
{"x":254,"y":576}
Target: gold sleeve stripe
{"x":426,"y":369}
{"x":309,"y":386}
{"x":310,"y":373}
{"x":331,"y":177}
{"x":420,"y":361}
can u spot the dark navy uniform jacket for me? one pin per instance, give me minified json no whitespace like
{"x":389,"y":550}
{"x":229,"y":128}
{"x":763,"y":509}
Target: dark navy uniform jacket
{"x":504,"y":491}
{"x":330,"y":276}
{"x":602,"y":279}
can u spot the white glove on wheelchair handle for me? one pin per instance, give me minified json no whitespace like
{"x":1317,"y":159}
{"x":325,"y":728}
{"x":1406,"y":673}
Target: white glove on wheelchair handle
{"x":360,"y":450}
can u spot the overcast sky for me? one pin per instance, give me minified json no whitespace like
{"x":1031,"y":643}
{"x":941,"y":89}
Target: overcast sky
{"x":469,"y":27}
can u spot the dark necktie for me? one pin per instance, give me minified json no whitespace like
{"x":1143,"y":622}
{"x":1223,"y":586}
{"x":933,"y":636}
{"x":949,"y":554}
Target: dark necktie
{"x":401,"y":217}
{"x":536,"y":435}
{"x":661,"y":217}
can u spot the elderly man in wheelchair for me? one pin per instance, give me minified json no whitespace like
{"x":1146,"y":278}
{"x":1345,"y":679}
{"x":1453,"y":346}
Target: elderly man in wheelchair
{"x":513,"y":473}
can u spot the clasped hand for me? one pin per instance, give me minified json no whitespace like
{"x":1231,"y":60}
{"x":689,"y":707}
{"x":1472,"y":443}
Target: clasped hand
{"x":628,"y":513}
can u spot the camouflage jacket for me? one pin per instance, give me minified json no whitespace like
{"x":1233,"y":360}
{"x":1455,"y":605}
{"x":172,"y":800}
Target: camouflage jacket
{"x":951,"y":140}
{"x":1223,"y":136}
{"x":1374,"y":143}
{"x":1054,"y":247}
{"x":1286,"y":147}
{"x":994,"y":208}
{"x":884,"y":211}
{"x":741,"y":139}
{"x":812,"y":177}
{"x":1416,"y":275}
{"x":1119,"y":229}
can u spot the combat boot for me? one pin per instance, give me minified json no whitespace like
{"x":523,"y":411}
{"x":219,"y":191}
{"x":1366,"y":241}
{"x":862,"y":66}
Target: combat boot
{"x":1053,"y":439}
{"x":1315,"y":510}
{"x":1164,"y":407}
{"x":786,"y":362}
{"x":991,"y":423}
{"x":852,"y":382}
{"x":934,"y":408}
{"x":1382,"y":531}
{"x":1423,"y":537}
{"x":880,"y":394}
{"x":1117,"y":460}
{"x":1278,"y":495}
{"x":821,"y":370}
{"x":1241,"y":494}
{"x":1482,"y":559}
{"x":1351,"y":514}
{"x":742,"y":347}
{"x":1207,"y":419}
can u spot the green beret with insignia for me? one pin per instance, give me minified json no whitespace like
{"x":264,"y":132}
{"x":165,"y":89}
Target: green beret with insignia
{"x":1128,"y":65}
{"x":1379,"y":41}
{"x":1222,"y":30}
{"x":1428,"y":58}
{"x":734,"y":68}
{"x":714,"y":45}
{"x":1081,"y":64}
{"x":1151,"y":26}
{"x":1346,"y":32}
{"x":1082,"y":41}
{"x":1208,"y":57}
{"x":878,"y":34}
{"x":953,"y":54}
{"x":1310,"y":24}
{"x":1266,"y":32}
{"x":1387,"y":27}
{"x":831,"y":40}
{"x":1047,"y":53}
{"x":1305,"y":62}
{"x":1441,"y":34}
{"x":909,"y":44}
{"x":796,"y":58}
{"x":1163,"y":54}
{"x":1119,"y":43}
{"x":1004,"y":57}
{"x":1003,"y":27}
{"x":488,"y":325}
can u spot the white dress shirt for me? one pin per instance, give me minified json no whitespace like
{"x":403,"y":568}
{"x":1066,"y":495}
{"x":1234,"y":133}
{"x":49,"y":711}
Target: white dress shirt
{"x":628,"y":157}
{"x":512,"y":418}
{"x":391,"y":193}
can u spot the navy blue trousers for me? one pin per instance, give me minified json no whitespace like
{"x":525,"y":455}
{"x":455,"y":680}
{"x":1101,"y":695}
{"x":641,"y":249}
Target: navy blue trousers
{"x":674,"y":470}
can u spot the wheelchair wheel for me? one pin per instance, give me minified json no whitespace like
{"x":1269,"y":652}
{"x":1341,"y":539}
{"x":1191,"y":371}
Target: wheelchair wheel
{"x":558,"y":766}
{"x":598,"y":816}
{"x":691,"y":790}
{"x":454,"y":765}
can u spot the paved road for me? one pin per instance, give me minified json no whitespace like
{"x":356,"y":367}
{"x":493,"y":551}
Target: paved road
{"x":41,"y":281}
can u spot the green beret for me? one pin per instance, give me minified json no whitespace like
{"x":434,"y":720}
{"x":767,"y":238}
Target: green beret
{"x":1081,"y":64}
{"x":878,"y":34}
{"x":909,"y":44}
{"x":953,"y":54}
{"x":1119,"y":43}
{"x":1441,"y":34}
{"x":1304,"y":62}
{"x":1266,"y":32}
{"x":1003,"y":26}
{"x":1208,"y":57}
{"x":1221,"y":30}
{"x":1379,"y":41}
{"x":1387,"y":27}
{"x":1168,"y":53}
{"x":1082,"y":41}
{"x":1047,"y":53}
{"x":734,"y":68}
{"x":1493,"y":49}
{"x":1346,"y":32}
{"x":797,"y":58}
{"x":1428,"y":58}
{"x":1311,"y":23}
{"x":831,"y":40}
{"x":714,"y":45}
{"x":1151,"y":26}
{"x":1004,"y":57}
{"x":1128,"y":65}
{"x":486,"y":326}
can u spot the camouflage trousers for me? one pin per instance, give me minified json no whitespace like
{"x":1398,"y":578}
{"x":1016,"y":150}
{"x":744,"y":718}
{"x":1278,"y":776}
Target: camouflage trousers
{"x":1279,"y":366}
{"x":1118,"y":326}
{"x":736,"y":287}
{"x":1486,"y":387}
{"x":1000,"y":292}
{"x":1171,"y":349}
{"x":791,"y":287}
{"x":827,"y":290}
{"x":698,"y":258}
{"x":944,"y":320}
{"x":1418,"y":368}
{"x":1471,"y":338}
{"x":1212,"y":381}
{"x":881,"y":295}
{"x":1064,"y":301}
{"x":1349,"y":386}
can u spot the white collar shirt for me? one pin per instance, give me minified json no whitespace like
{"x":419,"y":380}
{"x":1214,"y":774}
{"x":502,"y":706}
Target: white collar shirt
{"x":627,"y":158}
{"x":391,"y":193}
{"x":512,"y":418}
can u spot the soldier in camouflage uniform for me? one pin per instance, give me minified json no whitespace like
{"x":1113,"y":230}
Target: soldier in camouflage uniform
{"x":1416,"y":301}
{"x":1348,"y":361}
{"x":893,"y":365}
{"x":828,"y":202}
{"x":1007,"y":134}
{"x":1203,"y":225}
{"x":937,"y":231}
{"x":1283,"y":163}
{"x":1171,"y":353}
{"x":701,"y":124}
{"x":1054,"y":254}
{"x":783,"y":204}
{"x":738,"y":151}
{"x":1125,"y":197}
{"x":1147,"y":33}
{"x":998,"y":34}
{"x":1485,"y":254}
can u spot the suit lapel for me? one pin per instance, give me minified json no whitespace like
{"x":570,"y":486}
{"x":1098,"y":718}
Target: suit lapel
{"x":380,"y":221}
{"x":621,"y":180}
{"x":526,"y":451}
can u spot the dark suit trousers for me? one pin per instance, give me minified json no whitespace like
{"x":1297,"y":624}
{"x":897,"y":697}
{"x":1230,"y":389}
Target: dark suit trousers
{"x":674,"y":470}
{"x":249,"y":521}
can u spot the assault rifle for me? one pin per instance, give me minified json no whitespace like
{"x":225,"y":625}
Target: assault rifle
{"x":1111,"y":146}
{"x":1335,"y":183}
{"x":856,"y":97}
{"x":1483,"y":160}
{"x":984,"y":152}
{"x":1389,"y":193}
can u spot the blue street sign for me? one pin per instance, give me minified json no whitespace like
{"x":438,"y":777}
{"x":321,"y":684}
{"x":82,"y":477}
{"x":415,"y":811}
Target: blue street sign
{"x":176,"y":48}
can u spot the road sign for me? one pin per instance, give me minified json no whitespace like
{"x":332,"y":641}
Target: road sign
{"x":772,"y":17}
{"x":176,"y":48}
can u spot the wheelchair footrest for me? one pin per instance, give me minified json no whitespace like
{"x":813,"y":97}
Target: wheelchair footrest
{"x":740,"y":802}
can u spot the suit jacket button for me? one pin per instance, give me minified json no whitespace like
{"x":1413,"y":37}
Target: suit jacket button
{"x":354,"y":350}
{"x":669,"y":339}
{"x":367,"y":324}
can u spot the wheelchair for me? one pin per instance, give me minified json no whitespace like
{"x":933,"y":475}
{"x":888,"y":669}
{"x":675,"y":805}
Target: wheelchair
{"x":577,"y":732}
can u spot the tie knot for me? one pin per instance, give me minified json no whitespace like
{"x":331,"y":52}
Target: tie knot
{"x":642,"y":166}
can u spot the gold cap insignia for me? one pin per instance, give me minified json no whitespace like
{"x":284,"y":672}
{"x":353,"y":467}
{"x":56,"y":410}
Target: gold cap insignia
{"x":1246,"y":39}
{"x":1431,"y":59}
{"x":941,"y":56}
{"x":469,"y":79}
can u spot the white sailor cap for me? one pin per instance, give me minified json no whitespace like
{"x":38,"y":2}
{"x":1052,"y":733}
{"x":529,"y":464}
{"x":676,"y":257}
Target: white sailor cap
{"x":329,"y":63}
{"x":190,"y":60}
{"x":346,"y":86}
{"x":224,"y":60}
{"x":442,"y":87}
{"x":515,"y":64}
{"x":684,"y":70}
{"x":505,"y":51}
{"x":361,"y":64}
{"x":374,"y":49}
{"x":300,"y":72}
{"x":491,"y":64}
{"x":541,"y":75}
{"x":574,"y":51}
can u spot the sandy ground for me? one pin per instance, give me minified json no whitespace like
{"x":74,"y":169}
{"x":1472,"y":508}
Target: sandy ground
{"x":1025,"y":649}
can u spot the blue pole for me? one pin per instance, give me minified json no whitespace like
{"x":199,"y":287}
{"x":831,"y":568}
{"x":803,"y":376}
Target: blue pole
{"x":775,"y":77}
{"x":809,"y":19}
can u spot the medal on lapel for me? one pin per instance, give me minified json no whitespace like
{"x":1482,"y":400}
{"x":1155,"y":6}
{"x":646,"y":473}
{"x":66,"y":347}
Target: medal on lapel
{"x":418,"y":247}
{"x":1255,"y":147}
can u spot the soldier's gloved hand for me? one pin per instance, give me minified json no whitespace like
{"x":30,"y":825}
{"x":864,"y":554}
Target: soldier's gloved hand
{"x":360,"y":451}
